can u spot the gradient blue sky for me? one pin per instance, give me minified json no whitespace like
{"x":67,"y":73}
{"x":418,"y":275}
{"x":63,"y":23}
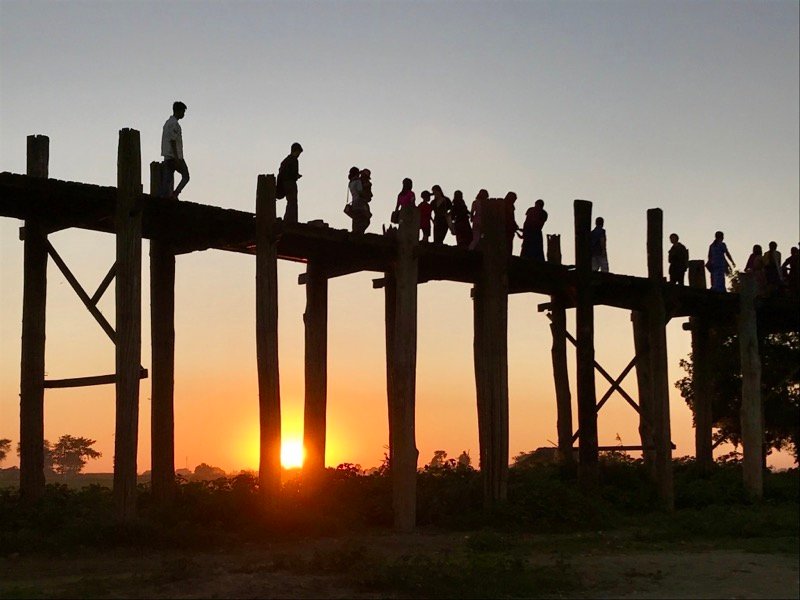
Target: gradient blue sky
{"x":687,"y":106}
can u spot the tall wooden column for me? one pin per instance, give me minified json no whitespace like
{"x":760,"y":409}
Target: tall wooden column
{"x":390,"y":299}
{"x":584,"y":314}
{"x":316,"y":368}
{"x":703,"y":343}
{"x":34,"y":303}
{"x":558,"y":353}
{"x":269,"y":390}
{"x":404,"y":452}
{"x":644,"y":382}
{"x":162,"y":337}
{"x":490,"y":309}
{"x":751,"y":412}
{"x":657,"y":337}
{"x":128,"y":320}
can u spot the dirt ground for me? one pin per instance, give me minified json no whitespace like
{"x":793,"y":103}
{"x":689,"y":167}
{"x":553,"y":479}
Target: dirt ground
{"x":332,"y":568}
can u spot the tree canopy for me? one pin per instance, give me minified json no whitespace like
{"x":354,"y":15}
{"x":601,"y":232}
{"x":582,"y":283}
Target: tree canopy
{"x":71,"y":453}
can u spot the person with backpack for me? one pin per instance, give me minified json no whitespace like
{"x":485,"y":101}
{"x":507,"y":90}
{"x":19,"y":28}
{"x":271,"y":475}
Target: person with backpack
{"x":678,"y":258}
{"x":286,"y":184}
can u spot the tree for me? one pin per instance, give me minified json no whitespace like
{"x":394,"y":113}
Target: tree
{"x":71,"y":453}
{"x":5,"y":446}
{"x":780,"y":390}
{"x":205,"y":472}
{"x":439,"y":459}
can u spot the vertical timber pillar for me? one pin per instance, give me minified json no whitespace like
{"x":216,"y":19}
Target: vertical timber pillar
{"x":490,"y":309}
{"x":162,"y":338}
{"x":390,"y":298}
{"x":584,"y":313}
{"x":644,"y":382}
{"x":751,"y":413}
{"x":269,"y":390}
{"x":702,"y":375}
{"x":316,"y":369}
{"x":128,"y":320}
{"x":404,"y":452}
{"x":558,"y":353}
{"x":657,"y":337}
{"x":34,"y":304}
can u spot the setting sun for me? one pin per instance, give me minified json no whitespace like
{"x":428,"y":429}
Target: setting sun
{"x":292,"y":454}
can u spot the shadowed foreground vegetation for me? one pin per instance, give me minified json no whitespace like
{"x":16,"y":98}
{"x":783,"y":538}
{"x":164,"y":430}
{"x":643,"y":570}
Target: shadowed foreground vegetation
{"x":485,"y":554}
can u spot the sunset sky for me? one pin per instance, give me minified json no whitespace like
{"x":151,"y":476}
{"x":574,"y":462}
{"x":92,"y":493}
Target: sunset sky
{"x":687,"y":106}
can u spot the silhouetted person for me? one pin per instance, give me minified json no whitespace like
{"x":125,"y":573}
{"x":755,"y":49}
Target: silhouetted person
{"x":172,"y":151}
{"x":288,"y":174}
{"x":459,"y":215}
{"x":406,"y":197}
{"x":476,"y":212}
{"x":532,"y":240}
{"x":772,"y":268}
{"x":790,"y":270}
{"x":755,"y":265}
{"x":425,"y":211}
{"x":598,"y":246}
{"x":717,"y":263}
{"x":511,"y":223}
{"x":678,"y":258}
{"x":366,"y":197}
{"x":441,"y":210}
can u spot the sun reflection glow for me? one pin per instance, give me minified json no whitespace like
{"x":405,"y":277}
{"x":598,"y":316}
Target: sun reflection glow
{"x":292,"y":454}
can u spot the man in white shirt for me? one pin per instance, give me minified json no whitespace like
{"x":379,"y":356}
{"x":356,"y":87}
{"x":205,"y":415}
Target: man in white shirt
{"x":172,"y":151}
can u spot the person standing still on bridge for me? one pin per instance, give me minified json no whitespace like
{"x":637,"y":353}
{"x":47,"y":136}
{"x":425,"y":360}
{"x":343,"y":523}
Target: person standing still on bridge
{"x":532,"y":240}
{"x":286,"y":184}
{"x":425,"y":210}
{"x":172,"y":151}
{"x":717,"y":263}
{"x":460,"y":217}
{"x":511,"y":223}
{"x":678,"y":258}
{"x":441,"y":212}
{"x":598,"y":246}
{"x":477,"y":209}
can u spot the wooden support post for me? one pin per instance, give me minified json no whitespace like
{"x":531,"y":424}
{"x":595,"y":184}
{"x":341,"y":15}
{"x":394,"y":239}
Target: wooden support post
{"x":558,"y":353}
{"x":703,"y":344}
{"x":316,"y":369}
{"x":404,"y":373}
{"x":269,"y":390}
{"x":644,"y":381}
{"x":129,"y":320}
{"x":584,"y":313}
{"x":162,"y":333}
{"x":390,"y":299}
{"x":34,"y":305}
{"x":490,"y":309}
{"x":751,"y":411}
{"x":657,"y":337}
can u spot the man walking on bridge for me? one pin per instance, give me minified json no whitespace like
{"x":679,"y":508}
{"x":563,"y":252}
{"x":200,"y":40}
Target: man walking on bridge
{"x":286,"y":184}
{"x":172,"y":151}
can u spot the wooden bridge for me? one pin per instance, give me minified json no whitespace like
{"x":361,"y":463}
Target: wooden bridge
{"x":402,"y":262}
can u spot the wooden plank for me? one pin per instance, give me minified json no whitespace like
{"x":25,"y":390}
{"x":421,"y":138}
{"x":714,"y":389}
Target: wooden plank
{"x":404,"y":373}
{"x":316,"y":370}
{"x":751,"y":411}
{"x":269,"y":390}
{"x":162,"y":343}
{"x":101,"y":289}
{"x":587,"y":408}
{"x":490,"y":308}
{"x":657,"y":335}
{"x":128,"y":321}
{"x":81,"y":293}
{"x":34,"y":312}
{"x":558,"y":355}
{"x":87,"y":381}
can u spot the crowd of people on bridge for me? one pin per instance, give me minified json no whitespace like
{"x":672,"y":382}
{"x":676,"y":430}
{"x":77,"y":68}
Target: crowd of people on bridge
{"x":440,"y":216}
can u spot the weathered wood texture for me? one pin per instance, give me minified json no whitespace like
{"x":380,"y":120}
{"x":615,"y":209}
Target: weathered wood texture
{"x":751,"y":411}
{"x":657,"y":337}
{"x":269,"y":390}
{"x":584,"y":309}
{"x":316,"y":369}
{"x":404,"y":373}
{"x":162,"y":338}
{"x":703,"y":345}
{"x":34,"y":303}
{"x":644,"y":381}
{"x":128,"y":320}
{"x":490,"y":310}
{"x":558,"y":354}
